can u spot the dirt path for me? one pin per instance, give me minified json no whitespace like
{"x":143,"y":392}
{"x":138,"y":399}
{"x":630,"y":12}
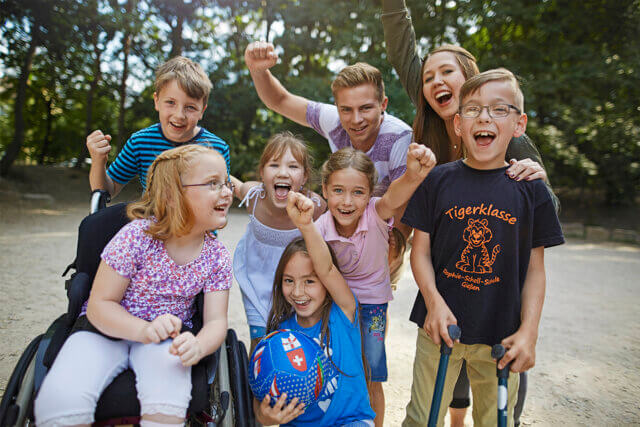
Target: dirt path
{"x":587,"y":370}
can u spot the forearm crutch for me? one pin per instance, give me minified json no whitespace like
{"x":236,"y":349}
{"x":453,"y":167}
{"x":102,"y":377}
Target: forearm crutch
{"x":497,"y":352}
{"x":445,"y":352}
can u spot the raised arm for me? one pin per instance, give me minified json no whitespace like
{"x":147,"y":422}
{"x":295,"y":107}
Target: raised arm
{"x":99,"y":147}
{"x":259,"y":57}
{"x":300,"y":210}
{"x":420,"y":161}
{"x":400,"y":41}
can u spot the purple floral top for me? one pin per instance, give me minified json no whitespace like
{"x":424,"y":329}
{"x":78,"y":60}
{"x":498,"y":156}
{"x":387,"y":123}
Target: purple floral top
{"x":158,"y":285}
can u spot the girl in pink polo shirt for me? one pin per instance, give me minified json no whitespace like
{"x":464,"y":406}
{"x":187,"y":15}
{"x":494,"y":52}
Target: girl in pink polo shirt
{"x":356,"y":226}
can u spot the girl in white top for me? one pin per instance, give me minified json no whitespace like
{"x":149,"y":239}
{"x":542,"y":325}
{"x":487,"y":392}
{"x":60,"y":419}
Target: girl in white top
{"x":285,"y":165}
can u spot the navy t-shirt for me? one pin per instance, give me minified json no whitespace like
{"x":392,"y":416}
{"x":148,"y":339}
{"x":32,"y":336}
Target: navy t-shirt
{"x":482,"y":225}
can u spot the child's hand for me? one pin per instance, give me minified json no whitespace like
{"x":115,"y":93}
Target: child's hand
{"x":439,"y":317}
{"x":420,"y":161}
{"x":526,"y":169}
{"x":98,"y":145}
{"x":300,"y":209}
{"x":187,"y":347}
{"x":279,"y":414}
{"x":521,"y":351}
{"x":161,"y":328}
{"x":260,"y":56}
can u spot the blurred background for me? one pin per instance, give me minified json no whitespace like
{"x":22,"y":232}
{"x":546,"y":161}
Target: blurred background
{"x":68,"y":67}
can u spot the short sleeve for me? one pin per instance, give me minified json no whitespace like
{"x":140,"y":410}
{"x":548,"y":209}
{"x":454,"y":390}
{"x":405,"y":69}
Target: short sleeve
{"x":321,"y":223}
{"x":122,"y":252}
{"x":547,"y":231}
{"x":382,"y":225}
{"x":398,"y":158}
{"x":221,"y":274}
{"x":313,"y":116}
{"x":125,"y":167}
{"x":418,"y":213}
{"x":341,"y":317}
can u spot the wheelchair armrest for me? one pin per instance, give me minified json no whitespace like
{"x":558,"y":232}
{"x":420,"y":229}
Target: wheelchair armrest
{"x":99,"y":200}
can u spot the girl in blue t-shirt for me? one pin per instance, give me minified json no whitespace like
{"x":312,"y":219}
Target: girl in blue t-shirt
{"x":310,"y":295}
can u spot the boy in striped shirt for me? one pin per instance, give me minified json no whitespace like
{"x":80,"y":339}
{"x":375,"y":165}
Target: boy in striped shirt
{"x":181,"y":92}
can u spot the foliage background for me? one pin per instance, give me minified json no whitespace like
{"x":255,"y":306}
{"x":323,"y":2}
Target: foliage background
{"x":70,"y":66}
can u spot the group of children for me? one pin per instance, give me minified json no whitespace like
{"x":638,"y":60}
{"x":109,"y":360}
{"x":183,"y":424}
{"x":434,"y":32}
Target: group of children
{"x":306,"y":262}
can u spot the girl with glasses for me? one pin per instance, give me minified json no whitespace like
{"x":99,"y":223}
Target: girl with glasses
{"x":140,"y":310}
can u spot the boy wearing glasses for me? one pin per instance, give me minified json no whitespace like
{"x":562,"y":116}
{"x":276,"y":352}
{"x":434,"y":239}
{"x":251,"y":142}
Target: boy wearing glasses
{"x":181,"y":92}
{"x":478,"y":254}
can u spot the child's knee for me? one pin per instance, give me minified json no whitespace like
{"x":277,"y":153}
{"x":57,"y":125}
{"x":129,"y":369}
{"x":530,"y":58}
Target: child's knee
{"x":60,"y":404}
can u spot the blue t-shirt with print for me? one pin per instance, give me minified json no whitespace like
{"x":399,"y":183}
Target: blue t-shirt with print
{"x":346,"y":400}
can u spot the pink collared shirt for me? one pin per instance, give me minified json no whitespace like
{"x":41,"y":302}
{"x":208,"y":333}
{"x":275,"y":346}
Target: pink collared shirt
{"x":363,"y":256}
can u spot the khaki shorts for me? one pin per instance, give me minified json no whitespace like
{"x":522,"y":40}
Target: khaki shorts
{"x":481,"y":369}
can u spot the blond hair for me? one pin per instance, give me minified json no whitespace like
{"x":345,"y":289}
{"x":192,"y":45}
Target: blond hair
{"x":474,"y":84}
{"x":279,"y":143}
{"x":349,"y":157}
{"x":189,"y":75}
{"x":164,"y":197}
{"x":358,"y":74}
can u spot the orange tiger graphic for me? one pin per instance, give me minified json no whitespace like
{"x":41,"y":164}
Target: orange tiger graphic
{"x":475,"y":256}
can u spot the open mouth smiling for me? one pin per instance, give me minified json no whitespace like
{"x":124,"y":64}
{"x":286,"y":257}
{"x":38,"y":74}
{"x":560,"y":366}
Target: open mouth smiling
{"x":443,"y":97}
{"x":484,"y":137}
{"x":282,"y":190}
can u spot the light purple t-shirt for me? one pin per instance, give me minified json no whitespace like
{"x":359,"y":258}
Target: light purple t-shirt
{"x":363,"y":256}
{"x":157,"y":284}
{"x":389,"y":152}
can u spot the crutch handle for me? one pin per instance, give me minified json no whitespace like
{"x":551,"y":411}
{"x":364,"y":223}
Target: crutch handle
{"x":454,"y":333}
{"x":497,"y":352}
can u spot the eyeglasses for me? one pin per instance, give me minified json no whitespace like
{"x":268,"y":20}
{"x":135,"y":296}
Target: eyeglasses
{"x":496,"y":111}
{"x":214,"y":185}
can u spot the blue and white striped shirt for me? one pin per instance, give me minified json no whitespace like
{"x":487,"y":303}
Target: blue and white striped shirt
{"x":142,"y":148}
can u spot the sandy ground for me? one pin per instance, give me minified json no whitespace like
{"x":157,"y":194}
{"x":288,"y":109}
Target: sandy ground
{"x":588,"y":354}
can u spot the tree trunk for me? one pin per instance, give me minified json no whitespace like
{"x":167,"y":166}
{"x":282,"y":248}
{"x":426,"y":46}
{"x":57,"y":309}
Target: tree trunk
{"x":21,"y":95}
{"x":46,"y":143}
{"x":126,"y":48}
{"x":88,"y":123}
{"x":177,"y":43}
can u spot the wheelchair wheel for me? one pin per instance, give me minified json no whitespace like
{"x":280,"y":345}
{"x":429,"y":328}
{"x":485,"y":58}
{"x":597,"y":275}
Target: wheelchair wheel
{"x":17,"y":402}
{"x":248,"y":395}
{"x":238,"y":375}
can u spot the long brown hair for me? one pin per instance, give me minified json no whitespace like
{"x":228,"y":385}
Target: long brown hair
{"x":281,"y":310}
{"x":164,"y":198}
{"x":435,"y":135}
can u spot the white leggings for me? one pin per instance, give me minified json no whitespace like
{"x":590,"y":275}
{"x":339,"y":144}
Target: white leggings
{"x":88,"y":362}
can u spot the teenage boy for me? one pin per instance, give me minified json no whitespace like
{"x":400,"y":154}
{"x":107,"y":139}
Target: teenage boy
{"x":181,"y":92}
{"x":478,"y":254}
{"x":358,"y":119}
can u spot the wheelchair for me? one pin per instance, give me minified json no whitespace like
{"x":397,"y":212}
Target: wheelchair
{"x":220,"y":394}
